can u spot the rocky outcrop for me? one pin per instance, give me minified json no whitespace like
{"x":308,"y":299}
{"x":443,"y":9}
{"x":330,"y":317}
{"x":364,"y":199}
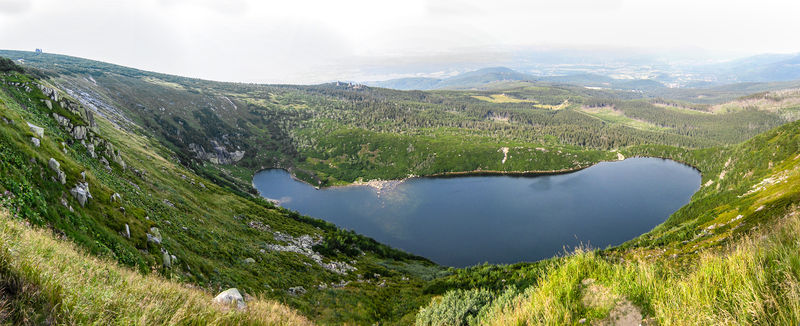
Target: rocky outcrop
{"x":81,"y":193}
{"x":258,"y":226}
{"x":297,"y":290}
{"x":304,"y":245}
{"x":68,"y":104}
{"x":218,"y":155}
{"x":36,"y":130}
{"x":231,"y":297}
{"x":56,"y":167}
{"x":82,"y":129}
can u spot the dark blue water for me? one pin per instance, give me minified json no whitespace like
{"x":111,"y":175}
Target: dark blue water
{"x":500,"y":219}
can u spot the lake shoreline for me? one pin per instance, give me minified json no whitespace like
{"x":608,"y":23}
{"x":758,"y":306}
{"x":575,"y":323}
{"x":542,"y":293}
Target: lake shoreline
{"x":503,"y":219}
{"x":380,"y":184}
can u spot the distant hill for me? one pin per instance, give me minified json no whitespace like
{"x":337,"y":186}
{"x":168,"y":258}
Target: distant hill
{"x":467,"y":80}
{"x":479,"y":78}
{"x":405,"y":84}
{"x":593,"y":80}
{"x":758,"y":68}
{"x":784,"y":70}
{"x":487,"y":77}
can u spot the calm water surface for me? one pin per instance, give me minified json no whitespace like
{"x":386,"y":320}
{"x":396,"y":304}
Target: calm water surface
{"x":500,"y":219}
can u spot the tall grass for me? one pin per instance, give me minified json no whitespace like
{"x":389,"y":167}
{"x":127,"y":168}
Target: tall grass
{"x":755,"y":280}
{"x":69,"y":286}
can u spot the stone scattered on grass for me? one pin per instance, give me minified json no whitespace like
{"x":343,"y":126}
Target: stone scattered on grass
{"x":81,"y":193}
{"x":56,"y":167}
{"x":229,"y":297}
{"x":38,"y":131}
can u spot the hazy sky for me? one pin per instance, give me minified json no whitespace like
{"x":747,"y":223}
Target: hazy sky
{"x":303,"y":41}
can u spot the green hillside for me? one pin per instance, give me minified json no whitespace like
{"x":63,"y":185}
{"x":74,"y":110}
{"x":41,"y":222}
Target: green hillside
{"x":337,"y":133}
{"x":151,"y":173}
{"x":121,"y":196}
{"x":730,"y":256}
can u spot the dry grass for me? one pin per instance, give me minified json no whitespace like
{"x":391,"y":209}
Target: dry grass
{"x":501,"y":98}
{"x":84,"y":289}
{"x":753,"y":281}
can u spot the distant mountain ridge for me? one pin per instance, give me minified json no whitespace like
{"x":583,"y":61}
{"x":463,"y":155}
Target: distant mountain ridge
{"x":487,"y":77}
{"x":472,"y":79}
{"x":763,"y":68}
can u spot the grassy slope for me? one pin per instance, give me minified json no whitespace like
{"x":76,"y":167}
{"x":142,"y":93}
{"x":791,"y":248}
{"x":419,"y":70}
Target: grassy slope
{"x":45,"y":279}
{"x":711,"y":206}
{"x":730,"y":256}
{"x":205,"y":227}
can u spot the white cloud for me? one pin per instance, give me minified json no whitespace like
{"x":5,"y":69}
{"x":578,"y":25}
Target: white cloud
{"x":14,"y":6}
{"x":305,"y":41}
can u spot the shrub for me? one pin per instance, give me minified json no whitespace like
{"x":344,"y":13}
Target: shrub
{"x":455,"y":308}
{"x":7,"y":65}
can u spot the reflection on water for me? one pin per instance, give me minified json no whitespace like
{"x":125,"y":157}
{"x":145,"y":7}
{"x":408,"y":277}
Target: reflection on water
{"x":499,"y":219}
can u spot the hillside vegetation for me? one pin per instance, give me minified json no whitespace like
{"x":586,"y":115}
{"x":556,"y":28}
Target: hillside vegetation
{"x":121,"y":196}
{"x":730,"y":256}
{"x":50,"y":281}
{"x":153,"y":173}
{"x":338,"y":133}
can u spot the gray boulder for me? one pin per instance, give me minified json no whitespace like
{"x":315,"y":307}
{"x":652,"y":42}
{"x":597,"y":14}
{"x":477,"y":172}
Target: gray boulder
{"x":81,"y":193}
{"x":249,"y":260}
{"x":35,"y":141}
{"x":115,"y":197}
{"x":105,"y":163}
{"x":79,"y":132}
{"x":39,"y":131}
{"x":167,"y":260}
{"x":53,"y":164}
{"x":154,"y":235}
{"x":297,"y":290}
{"x":90,"y":149}
{"x":56,"y":167}
{"x":229,"y":297}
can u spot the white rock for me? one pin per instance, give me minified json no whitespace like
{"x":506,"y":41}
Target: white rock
{"x":81,"y":193}
{"x":79,"y":132}
{"x":167,"y":260}
{"x":56,"y":167}
{"x":39,"y":131}
{"x":154,"y":235}
{"x":229,"y":297}
{"x":35,"y":141}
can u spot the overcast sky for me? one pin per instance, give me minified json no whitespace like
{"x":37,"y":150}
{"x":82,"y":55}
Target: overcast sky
{"x":303,"y":41}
